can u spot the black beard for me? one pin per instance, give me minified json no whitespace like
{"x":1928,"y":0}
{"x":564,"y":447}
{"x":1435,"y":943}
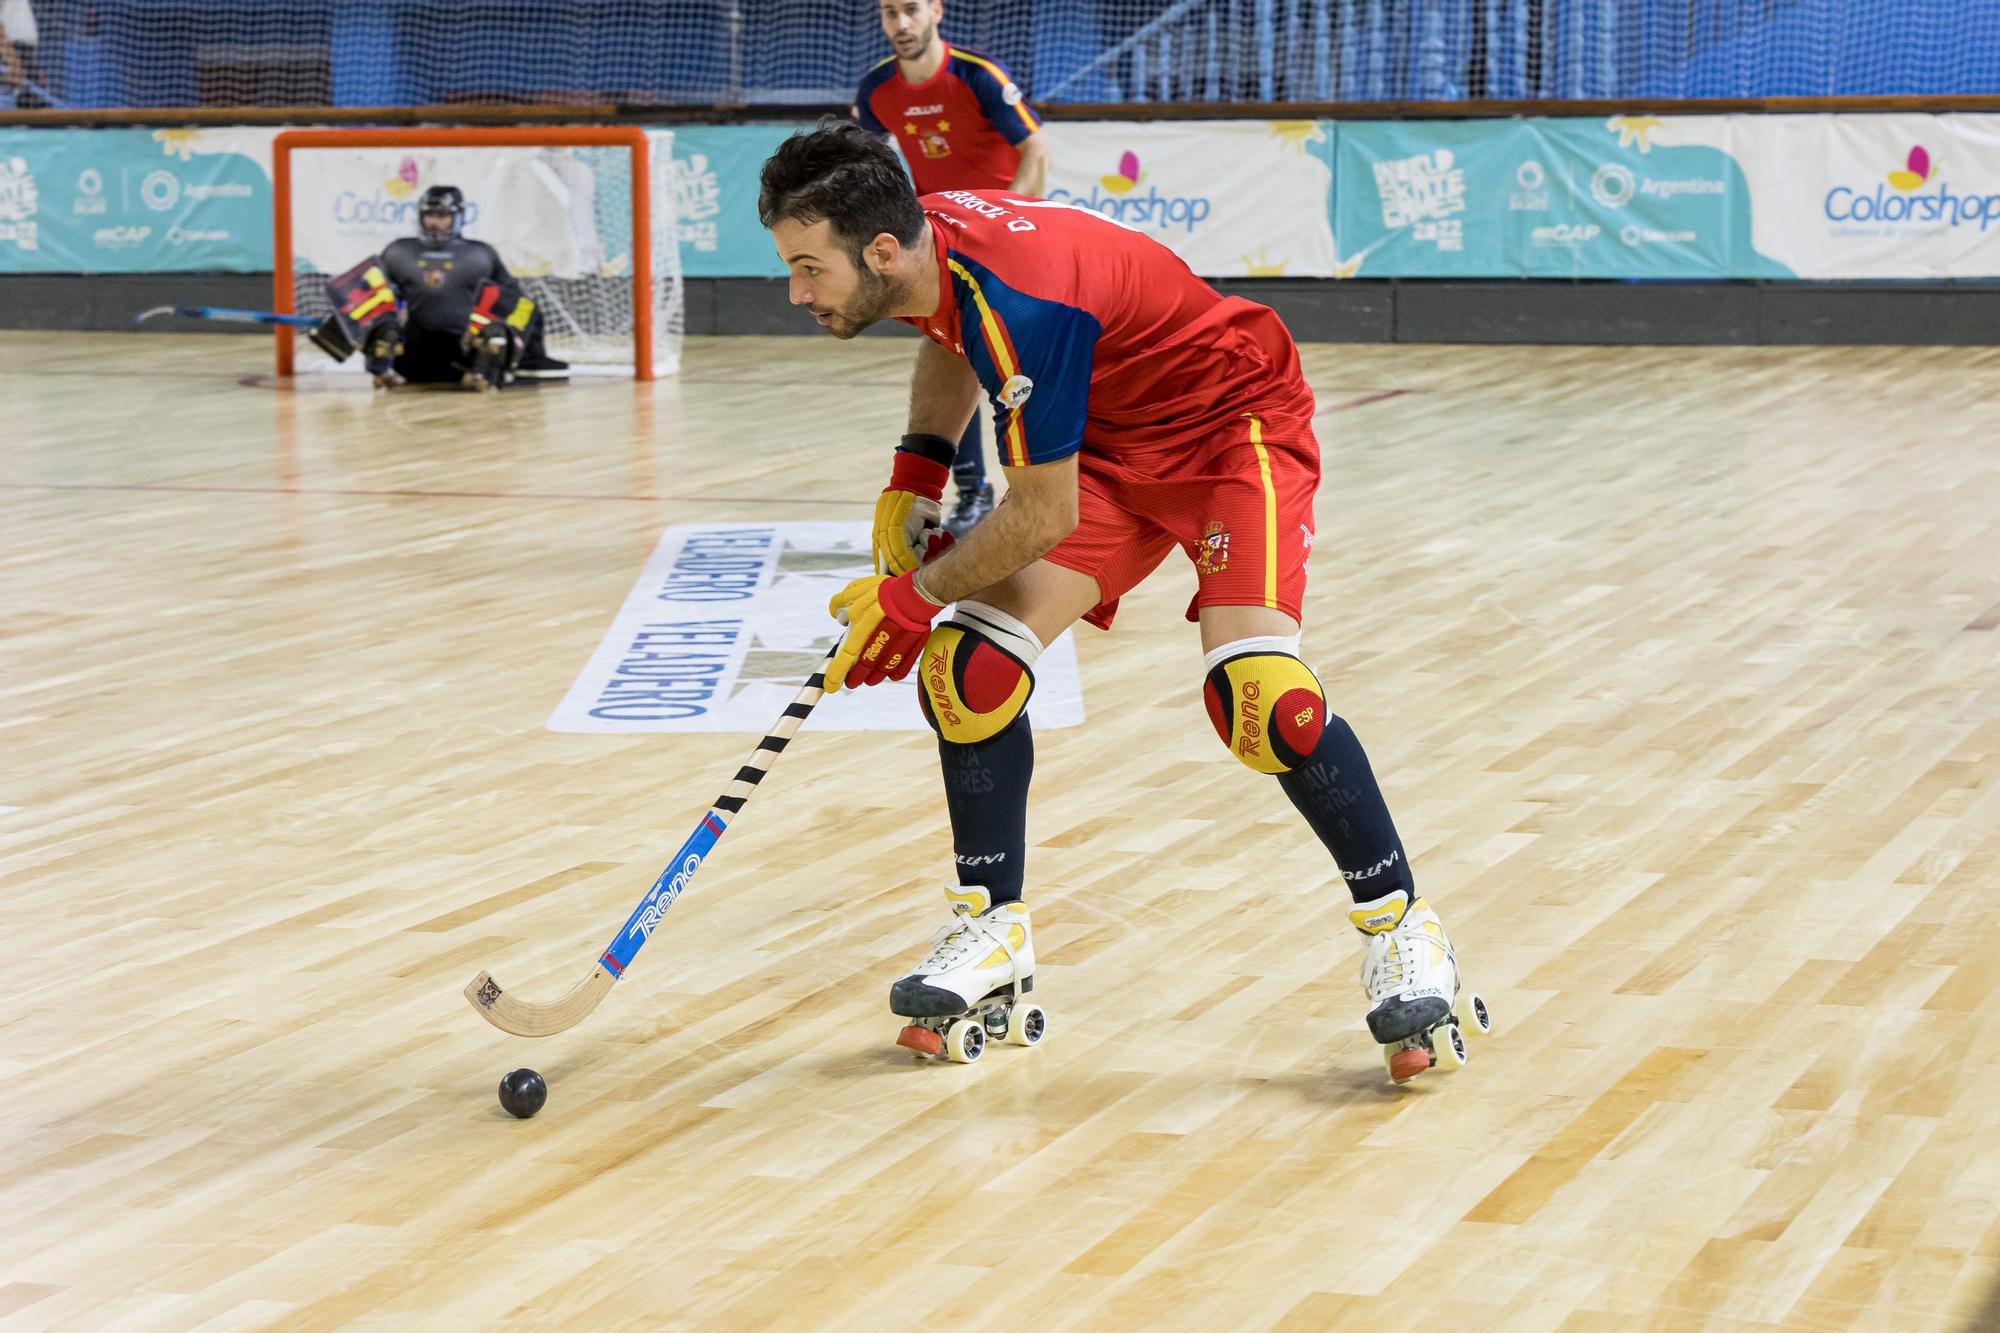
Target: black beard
{"x":870,"y":305}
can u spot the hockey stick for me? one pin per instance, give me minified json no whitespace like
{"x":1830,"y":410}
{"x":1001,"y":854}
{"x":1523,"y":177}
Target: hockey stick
{"x":225,"y":315}
{"x":525,"y":1018}
{"x":54,"y":103}
{"x":328,"y":334}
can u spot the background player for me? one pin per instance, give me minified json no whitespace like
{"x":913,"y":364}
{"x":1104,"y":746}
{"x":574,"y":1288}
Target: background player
{"x":963,"y":125}
{"x":439,"y":307}
{"x":1136,"y":410}
{"x":19,"y":37}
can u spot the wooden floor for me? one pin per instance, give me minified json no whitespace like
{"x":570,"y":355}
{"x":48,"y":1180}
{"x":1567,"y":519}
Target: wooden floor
{"x":1681,"y":668}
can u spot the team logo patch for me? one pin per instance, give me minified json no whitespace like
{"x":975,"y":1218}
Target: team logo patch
{"x":1011,"y":95}
{"x":1015,"y":392}
{"x":1212,"y":556}
{"x":433,"y":277}
{"x":935,"y":146}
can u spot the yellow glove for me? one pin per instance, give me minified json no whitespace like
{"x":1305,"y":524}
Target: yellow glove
{"x":887,"y":622}
{"x":909,"y":514}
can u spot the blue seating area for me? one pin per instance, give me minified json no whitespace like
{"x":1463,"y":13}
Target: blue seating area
{"x":165,"y":53}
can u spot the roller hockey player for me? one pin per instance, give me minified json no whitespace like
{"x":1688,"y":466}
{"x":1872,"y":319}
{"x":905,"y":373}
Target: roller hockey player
{"x":439,"y":308}
{"x":1138,"y":413}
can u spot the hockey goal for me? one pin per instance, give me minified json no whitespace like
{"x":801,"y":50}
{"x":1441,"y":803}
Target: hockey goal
{"x":583,"y":216}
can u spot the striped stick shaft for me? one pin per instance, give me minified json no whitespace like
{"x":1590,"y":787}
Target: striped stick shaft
{"x":774,"y":743}
{"x":673,"y":880}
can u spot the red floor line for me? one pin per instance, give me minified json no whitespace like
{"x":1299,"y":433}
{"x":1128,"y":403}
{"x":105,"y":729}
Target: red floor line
{"x":429,"y":495}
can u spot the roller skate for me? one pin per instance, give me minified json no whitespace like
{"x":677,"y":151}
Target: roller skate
{"x":492,"y":359}
{"x":1411,"y":976}
{"x":968,"y":990}
{"x":975,"y":501}
{"x":380,"y":346}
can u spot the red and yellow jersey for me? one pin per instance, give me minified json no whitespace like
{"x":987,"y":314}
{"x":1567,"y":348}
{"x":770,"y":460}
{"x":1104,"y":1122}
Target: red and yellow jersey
{"x":958,"y":128}
{"x":1087,"y":334}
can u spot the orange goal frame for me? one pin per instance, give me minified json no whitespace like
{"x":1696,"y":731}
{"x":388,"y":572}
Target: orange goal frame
{"x":283,"y":295}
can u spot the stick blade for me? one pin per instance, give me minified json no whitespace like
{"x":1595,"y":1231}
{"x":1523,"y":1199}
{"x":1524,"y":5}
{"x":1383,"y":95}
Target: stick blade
{"x":525,"y":1018}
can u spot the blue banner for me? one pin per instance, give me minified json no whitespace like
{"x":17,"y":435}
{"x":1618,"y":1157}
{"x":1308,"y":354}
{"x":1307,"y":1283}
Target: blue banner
{"x":716,"y":171}
{"x":134,"y":201}
{"x":1548,"y":198}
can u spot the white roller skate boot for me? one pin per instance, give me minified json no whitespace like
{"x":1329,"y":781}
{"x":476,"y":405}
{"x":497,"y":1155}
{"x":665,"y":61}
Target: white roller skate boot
{"x":969,"y":987}
{"x":1411,"y":976}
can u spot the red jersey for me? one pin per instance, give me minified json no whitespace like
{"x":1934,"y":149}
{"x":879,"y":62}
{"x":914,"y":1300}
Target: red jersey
{"x":958,"y":128}
{"x":1087,"y":334}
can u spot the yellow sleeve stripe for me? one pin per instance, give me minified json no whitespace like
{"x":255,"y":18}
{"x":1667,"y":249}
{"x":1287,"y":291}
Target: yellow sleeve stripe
{"x":1020,"y":107}
{"x":1014,"y":443}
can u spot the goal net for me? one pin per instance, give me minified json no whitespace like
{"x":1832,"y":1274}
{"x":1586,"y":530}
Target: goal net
{"x":582,"y":217}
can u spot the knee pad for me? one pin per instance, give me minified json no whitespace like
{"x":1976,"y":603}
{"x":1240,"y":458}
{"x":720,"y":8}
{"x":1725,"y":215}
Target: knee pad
{"x":974,"y":683}
{"x":1267,"y":707}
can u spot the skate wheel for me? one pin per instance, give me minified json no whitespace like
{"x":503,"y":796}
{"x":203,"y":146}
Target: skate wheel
{"x":965,"y":1040}
{"x":1482,"y":1017}
{"x":1027,"y":1025}
{"x":921,"y":1040}
{"x":1449,"y":1044}
{"x":1405,"y":1062}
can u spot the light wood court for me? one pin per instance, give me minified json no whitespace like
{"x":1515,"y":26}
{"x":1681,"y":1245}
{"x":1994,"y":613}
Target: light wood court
{"x":1681,"y":666}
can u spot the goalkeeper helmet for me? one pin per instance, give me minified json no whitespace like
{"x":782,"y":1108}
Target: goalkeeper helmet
{"x":441,"y":199}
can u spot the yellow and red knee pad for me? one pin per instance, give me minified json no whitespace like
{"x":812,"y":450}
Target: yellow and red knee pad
{"x":976,"y":674}
{"x":1267,"y":707}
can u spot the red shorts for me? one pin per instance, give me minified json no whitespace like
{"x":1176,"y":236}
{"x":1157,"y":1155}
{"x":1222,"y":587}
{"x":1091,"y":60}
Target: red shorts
{"x":1239,"y":503}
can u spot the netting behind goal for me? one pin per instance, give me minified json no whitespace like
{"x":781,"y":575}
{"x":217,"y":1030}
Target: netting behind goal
{"x":1452,"y":50}
{"x":769,"y":52}
{"x":563,"y":216}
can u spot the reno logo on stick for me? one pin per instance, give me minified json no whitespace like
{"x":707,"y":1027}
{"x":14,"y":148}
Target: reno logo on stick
{"x":1915,"y":195}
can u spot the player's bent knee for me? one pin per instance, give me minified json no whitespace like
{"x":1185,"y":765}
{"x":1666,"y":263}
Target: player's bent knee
{"x":973,"y":687}
{"x":1267,"y":707}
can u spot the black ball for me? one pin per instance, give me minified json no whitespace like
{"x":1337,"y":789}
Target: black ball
{"x":522,"y":1093}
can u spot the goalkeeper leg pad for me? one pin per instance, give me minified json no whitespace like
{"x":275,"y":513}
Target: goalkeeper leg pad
{"x":494,"y":335}
{"x":977,"y":673}
{"x":1267,"y":706}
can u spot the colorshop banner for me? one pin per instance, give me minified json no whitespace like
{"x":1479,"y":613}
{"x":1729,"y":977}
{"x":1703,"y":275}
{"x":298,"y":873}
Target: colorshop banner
{"x":1235,"y":199}
{"x":1871,"y":196}
{"x":135,"y":201}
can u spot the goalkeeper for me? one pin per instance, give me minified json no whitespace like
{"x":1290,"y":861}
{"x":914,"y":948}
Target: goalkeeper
{"x":440,"y":308}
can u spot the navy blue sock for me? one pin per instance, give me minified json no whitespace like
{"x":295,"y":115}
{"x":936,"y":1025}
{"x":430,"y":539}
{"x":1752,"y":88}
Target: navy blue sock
{"x":986,"y":790}
{"x":1335,"y":790}
{"x":969,"y":468}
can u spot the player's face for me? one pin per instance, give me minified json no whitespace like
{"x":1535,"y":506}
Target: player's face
{"x":911,"y":26}
{"x":844,"y":298}
{"x":436,"y":226}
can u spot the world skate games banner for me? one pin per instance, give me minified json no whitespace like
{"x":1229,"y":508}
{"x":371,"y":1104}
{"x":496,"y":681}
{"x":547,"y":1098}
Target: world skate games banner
{"x":1698,"y":197}
{"x":728,"y":619}
{"x":135,"y":201}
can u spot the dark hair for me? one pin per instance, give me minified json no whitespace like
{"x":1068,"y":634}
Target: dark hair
{"x":840,"y":173}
